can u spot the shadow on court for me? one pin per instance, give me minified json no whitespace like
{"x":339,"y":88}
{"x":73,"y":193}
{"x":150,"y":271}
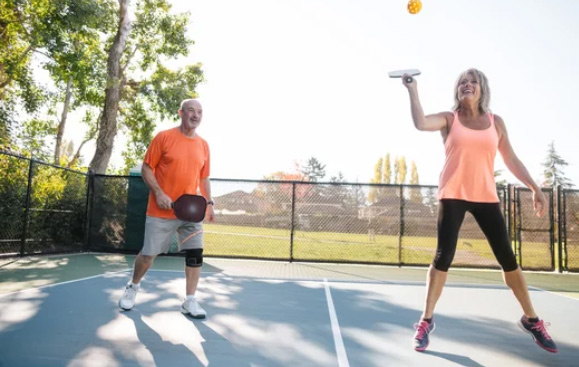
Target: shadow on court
{"x":30,"y":272}
{"x":475,"y":326}
{"x":163,"y":352}
{"x":250,"y":324}
{"x":258,"y":322}
{"x":455,"y":358}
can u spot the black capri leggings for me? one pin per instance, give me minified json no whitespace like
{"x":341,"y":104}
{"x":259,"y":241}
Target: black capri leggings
{"x":489,"y":218}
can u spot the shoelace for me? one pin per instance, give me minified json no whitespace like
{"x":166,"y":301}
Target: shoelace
{"x":541,"y":327}
{"x":422,"y":329}
{"x":190,"y":304}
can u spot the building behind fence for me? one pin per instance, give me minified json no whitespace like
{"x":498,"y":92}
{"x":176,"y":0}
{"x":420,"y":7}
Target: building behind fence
{"x":46,"y":209}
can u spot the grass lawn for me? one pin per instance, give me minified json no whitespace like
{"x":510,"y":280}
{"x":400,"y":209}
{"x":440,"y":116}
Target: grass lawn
{"x":259,"y":242}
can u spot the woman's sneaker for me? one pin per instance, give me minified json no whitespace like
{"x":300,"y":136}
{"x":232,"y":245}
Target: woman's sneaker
{"x":192,"y":308}
{"x":127,"y":302}
{"x":423,"y":329}
{"x":538,"y":331}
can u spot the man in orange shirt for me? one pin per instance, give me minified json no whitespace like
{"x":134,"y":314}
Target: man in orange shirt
{"x":176,"y":163}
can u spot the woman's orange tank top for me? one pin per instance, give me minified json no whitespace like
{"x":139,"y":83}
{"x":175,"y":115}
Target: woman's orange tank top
{"x":468,"y":172}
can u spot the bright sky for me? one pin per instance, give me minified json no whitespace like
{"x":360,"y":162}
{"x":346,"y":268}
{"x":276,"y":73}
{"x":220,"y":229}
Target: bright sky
{"x":290,"y":79}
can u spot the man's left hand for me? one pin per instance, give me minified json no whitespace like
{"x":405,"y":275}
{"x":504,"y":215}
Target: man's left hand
{"x":210,"y":214}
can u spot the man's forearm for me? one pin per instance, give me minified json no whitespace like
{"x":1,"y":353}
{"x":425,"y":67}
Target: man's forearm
{"x":150,"y":179}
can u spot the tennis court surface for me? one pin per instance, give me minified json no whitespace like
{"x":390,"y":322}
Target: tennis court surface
{"x":62,"y":311}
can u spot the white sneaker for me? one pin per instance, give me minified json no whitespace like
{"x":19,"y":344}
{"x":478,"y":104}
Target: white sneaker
{"x":192,"y":308}
{"x":127,"y":302}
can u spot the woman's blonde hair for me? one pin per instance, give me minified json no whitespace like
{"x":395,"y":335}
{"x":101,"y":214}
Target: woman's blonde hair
{"x":485,"y":91}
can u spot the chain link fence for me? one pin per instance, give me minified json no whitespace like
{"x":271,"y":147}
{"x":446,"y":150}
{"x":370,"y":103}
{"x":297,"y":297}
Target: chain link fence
{"x":569,"y":229}
{"x":419,"y":218}
{"x":13,"y":188}
{"x":534,"y":236}
{"x":331,"y":222}
{"x":56,"y":210}
{"x":48,"y":209}
{"x":253,"y":220}
{"x":108,"y":197}
{"x":42,"y":207}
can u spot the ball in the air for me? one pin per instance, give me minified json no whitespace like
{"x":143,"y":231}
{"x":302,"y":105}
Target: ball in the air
{"x":414,"y":6}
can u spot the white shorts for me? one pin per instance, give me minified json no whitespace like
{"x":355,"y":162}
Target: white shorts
{"x":160,"y":232}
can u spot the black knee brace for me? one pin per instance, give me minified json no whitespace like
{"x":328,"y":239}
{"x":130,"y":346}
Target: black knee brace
{"x":194,"y":258}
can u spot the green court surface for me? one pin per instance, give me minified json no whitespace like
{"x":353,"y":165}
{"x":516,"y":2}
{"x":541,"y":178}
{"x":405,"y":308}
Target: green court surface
{"x":30,"y":272}
{"x":271,"y":314}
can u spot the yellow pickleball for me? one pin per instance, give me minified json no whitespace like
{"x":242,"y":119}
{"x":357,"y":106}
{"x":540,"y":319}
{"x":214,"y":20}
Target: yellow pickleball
{"x":414,"y":6}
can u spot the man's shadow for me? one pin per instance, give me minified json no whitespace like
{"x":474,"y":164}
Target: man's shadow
{"x":219,"y":351}
{"x":165,"y":353}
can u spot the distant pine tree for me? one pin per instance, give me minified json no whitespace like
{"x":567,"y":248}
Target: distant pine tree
{"x":314,"y":170}
{"x":553,"y":173}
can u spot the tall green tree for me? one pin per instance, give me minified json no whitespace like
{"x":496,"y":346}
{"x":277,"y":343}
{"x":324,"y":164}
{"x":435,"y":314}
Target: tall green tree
{"x":553,"y":169}
{"x":140,"y":88}
{"x":32,"y":135}
{"x":61,"y":36}
{"x":77,"y":63}
{"x":26,"y":27}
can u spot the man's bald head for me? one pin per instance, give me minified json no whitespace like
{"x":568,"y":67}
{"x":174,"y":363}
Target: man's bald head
{"x":189,"y":103}
{"x":191,"y":114}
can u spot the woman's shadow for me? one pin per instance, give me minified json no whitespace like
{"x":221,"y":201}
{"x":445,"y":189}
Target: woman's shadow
{"x":461,"y":360}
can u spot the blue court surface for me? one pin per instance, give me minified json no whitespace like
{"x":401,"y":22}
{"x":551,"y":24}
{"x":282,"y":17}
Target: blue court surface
{"x":278,"y":321}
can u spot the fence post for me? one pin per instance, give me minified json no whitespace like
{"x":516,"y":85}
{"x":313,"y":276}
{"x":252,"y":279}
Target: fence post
{"x":401,"y":229}
{"x":552,"y":225}
{"x":517,"y":225}
{"x":561,"y":223}
{"x":292,"y":222}
{"x":27,"y":207}
{"x":509,"y":213}
{"x":88,"y":209}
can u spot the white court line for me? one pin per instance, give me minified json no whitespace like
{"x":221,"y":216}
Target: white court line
{"x":555,"y":293}
{"x":181,"y":271}
{"x":339,"y":343}
{"x":61,"y":283}
{"x":87,"y":278}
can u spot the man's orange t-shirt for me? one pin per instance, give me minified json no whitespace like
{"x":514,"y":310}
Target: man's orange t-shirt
{"x":179,"y":164}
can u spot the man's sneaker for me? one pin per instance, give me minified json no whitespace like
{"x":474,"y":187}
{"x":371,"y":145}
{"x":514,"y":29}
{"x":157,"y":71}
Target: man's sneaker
{"x":423,"y":328}
{"x":539,"y":333}
{"x":192,"y":308}
{"x":127,"y":302}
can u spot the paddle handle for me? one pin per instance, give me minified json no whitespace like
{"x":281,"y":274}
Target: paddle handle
{"x":409,"y":79}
